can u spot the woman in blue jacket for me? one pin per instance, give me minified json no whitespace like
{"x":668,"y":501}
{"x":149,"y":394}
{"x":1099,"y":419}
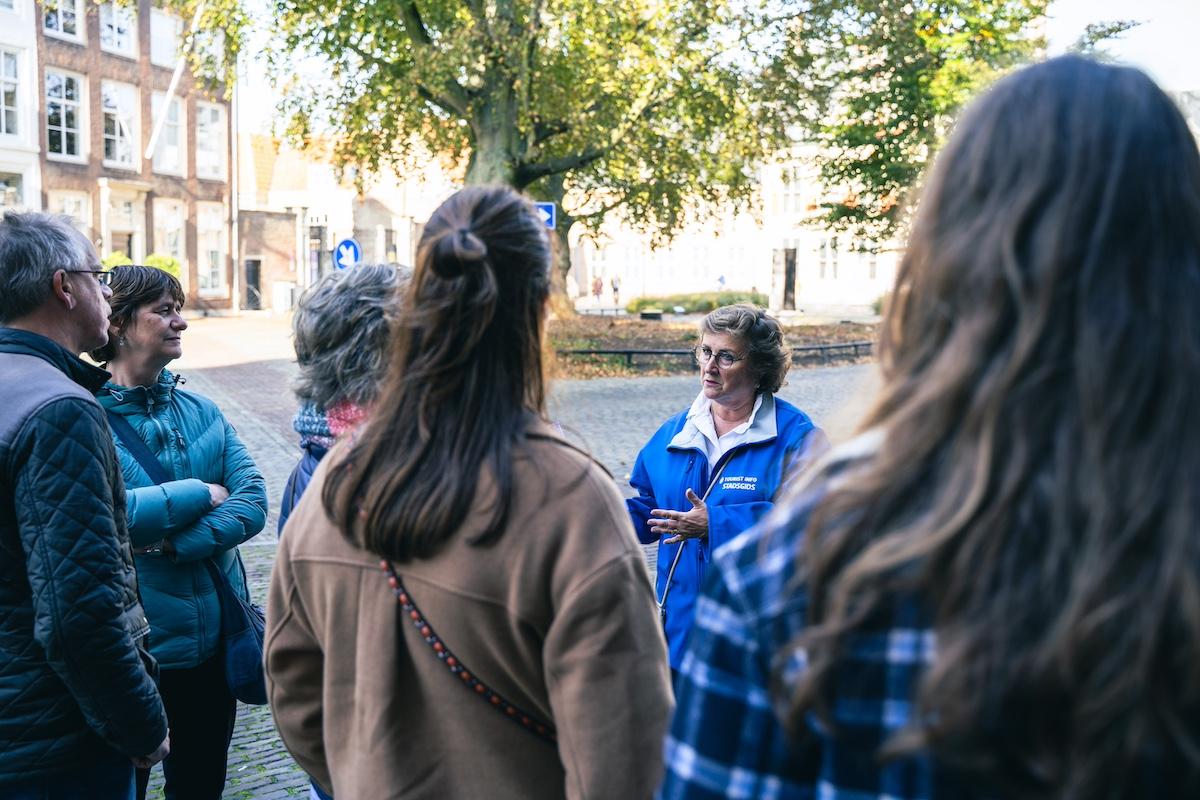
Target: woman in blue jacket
{"x":215,"y":501}
{"x":712,"y":470}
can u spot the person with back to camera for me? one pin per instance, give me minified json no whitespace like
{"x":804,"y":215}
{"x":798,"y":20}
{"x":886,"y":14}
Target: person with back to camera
{"x":78,"y":705}
{"x":992,"y":591}
{"x":713,"y":470}
{"x":341,"y":333}
{"x":506,"y":646}
{"x":215,"y":500}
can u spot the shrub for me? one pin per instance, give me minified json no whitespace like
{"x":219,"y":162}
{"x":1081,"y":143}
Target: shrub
{"x":697,"y":303}
{"x":168,"y":264}
{"x":881,"y":303}
{"x":117,"y":259}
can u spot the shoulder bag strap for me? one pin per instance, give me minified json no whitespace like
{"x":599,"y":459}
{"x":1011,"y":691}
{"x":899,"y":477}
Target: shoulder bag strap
{"x":662,"y":602}
{"x":136,"y":447}
{"x":539,"y":728}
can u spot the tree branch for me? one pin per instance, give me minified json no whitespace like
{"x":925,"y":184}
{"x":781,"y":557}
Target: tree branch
{"x":528,"y":173}
{"x":449,"y":95}
{"x":410,"y":15}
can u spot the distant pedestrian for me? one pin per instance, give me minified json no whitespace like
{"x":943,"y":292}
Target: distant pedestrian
{"x":597,"y":288}
{"x":214,"y":499}
{"x":714,"y":469}
{"x":78,"y":708}
{"x":616,"y":291}
{"x":341,"y":330}
{"x":508,"y":648}
{"x":993,"y":590}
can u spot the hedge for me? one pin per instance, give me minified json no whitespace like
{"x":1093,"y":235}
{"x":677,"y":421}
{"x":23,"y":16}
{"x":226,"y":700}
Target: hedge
{"x":698,"y":303}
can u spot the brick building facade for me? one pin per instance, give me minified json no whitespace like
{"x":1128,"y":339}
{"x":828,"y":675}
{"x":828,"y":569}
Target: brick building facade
{"x":94,"y":82}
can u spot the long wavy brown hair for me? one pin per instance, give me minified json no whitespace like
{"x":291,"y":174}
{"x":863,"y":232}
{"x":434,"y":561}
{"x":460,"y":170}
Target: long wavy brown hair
{"x":1036,"y":488}
{"x":465,"y":380}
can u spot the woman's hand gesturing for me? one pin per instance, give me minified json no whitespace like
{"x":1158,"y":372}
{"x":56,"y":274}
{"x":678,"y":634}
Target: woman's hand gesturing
{"x":680,"y":525}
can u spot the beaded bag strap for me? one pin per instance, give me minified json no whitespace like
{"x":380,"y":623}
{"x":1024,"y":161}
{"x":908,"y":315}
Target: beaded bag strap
{"x":543,"y":730}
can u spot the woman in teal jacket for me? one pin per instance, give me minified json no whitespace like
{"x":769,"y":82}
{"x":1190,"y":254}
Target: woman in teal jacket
{"x":216,"y":500}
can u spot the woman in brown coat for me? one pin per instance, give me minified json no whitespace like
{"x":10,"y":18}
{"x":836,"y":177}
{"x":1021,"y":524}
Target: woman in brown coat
{"x":459,"y":607}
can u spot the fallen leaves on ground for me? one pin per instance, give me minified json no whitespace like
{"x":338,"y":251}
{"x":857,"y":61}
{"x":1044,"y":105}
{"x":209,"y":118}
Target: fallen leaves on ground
{"x":615,"y":333}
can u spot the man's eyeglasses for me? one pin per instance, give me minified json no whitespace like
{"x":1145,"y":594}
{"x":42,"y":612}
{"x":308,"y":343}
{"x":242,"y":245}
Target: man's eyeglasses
{"x":725,"y":359}
{"x":103,"y":276}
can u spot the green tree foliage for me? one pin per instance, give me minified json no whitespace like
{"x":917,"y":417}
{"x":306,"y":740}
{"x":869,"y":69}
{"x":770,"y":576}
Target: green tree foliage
{"x":116,"y":259}
{"x":212,"y":46}
{"x":875,"y":85}
{"x":168,"y":264}
{"x":1095,"y":34}
{"x":595,"y":105}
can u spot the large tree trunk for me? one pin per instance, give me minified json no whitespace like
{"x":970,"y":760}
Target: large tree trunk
{"x":561,"y":297}
{"x":496,"y":139}
{"x":493,"y":158}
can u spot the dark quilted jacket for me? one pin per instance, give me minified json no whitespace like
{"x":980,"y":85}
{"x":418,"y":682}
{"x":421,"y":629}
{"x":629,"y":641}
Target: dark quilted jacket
{"x":73,"y":685}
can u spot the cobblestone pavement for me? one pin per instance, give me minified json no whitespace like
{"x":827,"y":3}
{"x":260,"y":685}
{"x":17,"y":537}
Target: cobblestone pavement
{"x":611,"y":417}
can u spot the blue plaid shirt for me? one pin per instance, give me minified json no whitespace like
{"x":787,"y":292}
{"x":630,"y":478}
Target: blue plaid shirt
{"x":726,"y":739}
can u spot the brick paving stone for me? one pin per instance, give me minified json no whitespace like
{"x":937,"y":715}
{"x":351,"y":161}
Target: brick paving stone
{"x":612,"y":418}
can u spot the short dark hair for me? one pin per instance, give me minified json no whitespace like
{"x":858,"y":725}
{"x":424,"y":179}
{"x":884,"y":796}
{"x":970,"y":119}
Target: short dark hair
{"x":133,"y":286}
{"x":33,"y":246}
{"x":763,"y":336}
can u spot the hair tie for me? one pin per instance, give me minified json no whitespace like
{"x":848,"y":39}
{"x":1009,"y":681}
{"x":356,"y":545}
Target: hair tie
{"x":471,"y":247}
{"x":457,"y":249}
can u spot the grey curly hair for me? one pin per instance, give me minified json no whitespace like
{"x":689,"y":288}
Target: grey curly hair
{"x":341,"y":332}
{"x":763,"y":336}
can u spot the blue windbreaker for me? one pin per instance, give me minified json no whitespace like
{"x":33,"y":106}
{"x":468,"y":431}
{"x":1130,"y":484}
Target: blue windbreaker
{"x":748,"y":477}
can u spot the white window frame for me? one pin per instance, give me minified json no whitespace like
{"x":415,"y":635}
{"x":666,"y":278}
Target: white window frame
{"x":171,"y":208}
{"x":13,"y":81}
{"x":217,"y":136}
{"x":159,"y":21}
{"x":77,"y":9}
{"x":133,"y":126}
{"x":80,"y":105}
{"x":792,"y":193}
{"x":111,"y":16}
{"x":179,"y":126}
{"x":23,"y":191}
{"x":55,"y":202}
{"x":210,"y":220}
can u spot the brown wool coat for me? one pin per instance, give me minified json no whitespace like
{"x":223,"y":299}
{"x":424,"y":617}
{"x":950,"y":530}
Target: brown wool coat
{"x":558,"y":616}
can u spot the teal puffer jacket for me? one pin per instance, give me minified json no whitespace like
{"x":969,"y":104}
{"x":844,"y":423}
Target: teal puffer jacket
{"x":196,"y":445}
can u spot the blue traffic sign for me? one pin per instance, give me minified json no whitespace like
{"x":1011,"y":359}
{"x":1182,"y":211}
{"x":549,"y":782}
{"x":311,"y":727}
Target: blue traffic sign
{"x":548,"y":212}
{"x":347,"y":253}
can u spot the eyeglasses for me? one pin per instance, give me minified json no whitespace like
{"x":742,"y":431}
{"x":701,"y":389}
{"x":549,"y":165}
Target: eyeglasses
{"x":103,"y":276}
{"x":725,"y":359}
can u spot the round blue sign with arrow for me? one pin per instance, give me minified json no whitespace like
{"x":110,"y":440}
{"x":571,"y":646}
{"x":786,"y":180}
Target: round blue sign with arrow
{"x":347,"y":253}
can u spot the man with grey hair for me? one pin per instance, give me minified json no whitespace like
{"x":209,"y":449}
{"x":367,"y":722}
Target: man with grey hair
{"x":78,"y":706}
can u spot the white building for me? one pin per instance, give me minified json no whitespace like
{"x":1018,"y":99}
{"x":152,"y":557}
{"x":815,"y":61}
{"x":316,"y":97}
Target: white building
{"x":294,"y":209}
{"x":20,"y":171}
{"x":774,"y":249}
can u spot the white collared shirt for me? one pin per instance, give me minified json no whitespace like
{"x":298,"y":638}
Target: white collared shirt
{"x":700,"y":415}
